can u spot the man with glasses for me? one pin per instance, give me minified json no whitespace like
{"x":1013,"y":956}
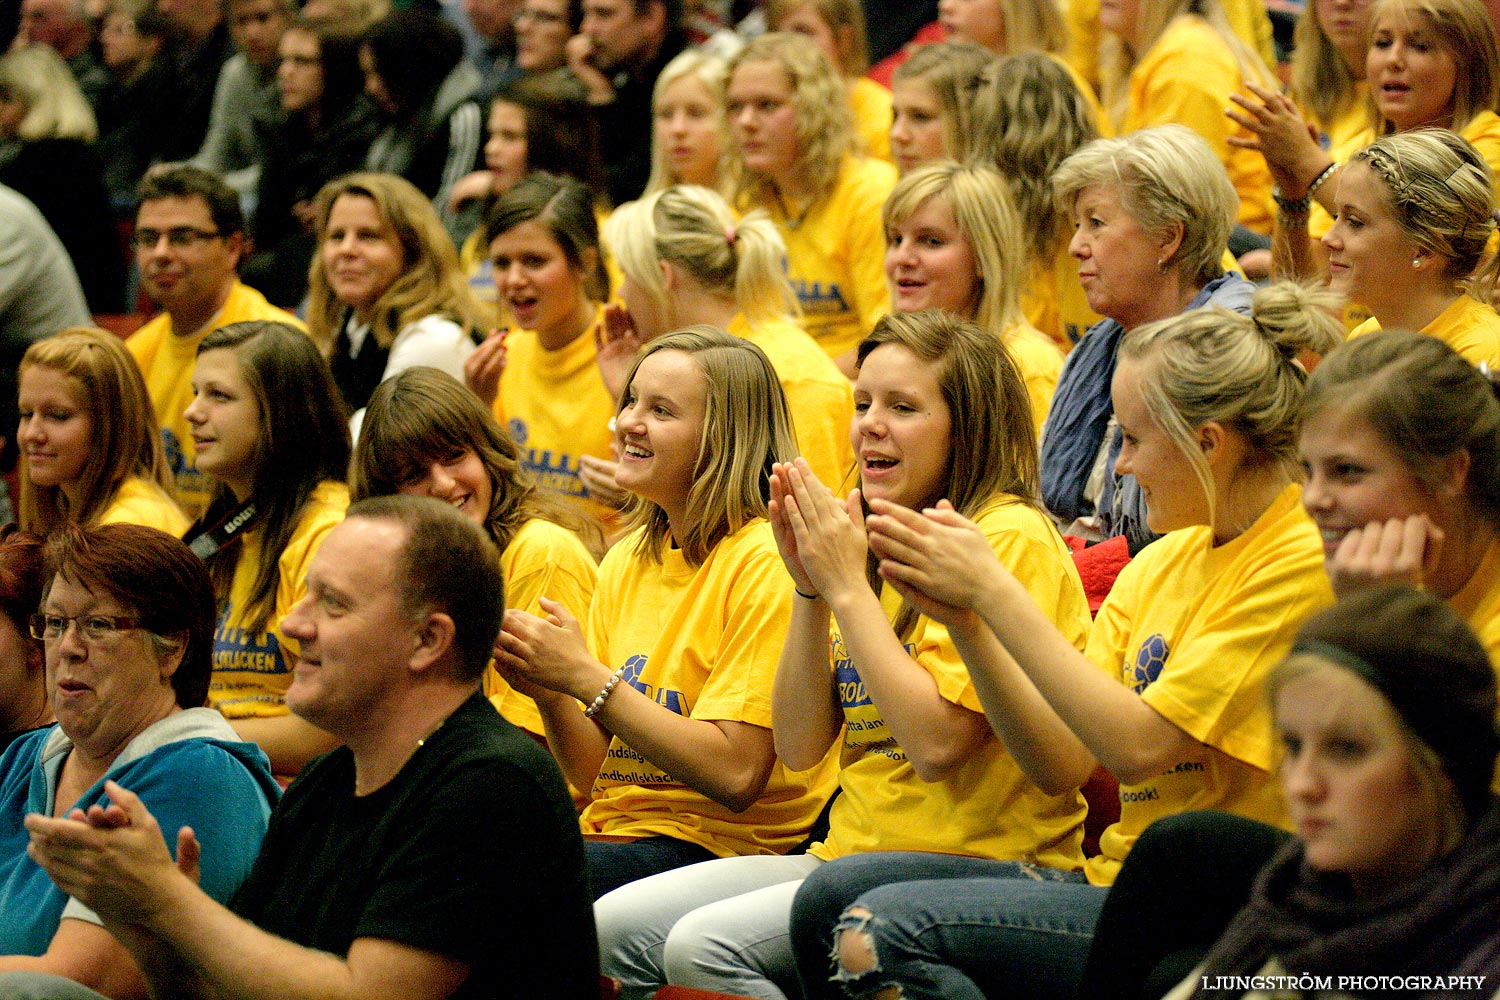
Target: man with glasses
{"x":189,"y":238}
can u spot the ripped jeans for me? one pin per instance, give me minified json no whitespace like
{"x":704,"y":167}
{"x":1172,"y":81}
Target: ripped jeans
{"x":946,"y":927}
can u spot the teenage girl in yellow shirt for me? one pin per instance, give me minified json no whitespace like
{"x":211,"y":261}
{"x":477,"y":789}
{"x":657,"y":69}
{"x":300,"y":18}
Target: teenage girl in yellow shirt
{"x":931,"y":95}
{"x":953,"y":242}
{"x":427,"y":435}
{"x":90,"y":451}
{"x":941,"y":411}
{"x":541,"y":379}
{"x":270,"y":429}
{"x":673,"y":668}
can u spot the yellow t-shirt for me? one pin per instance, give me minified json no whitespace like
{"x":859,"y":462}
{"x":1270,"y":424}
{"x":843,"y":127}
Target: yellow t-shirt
{"x":167,"y":360}
{"x":1040,"y":363}
{"x":542,"y":560}
{"x":818,"y":395}
{"x":871,"y":105}
{"x":142,"y":501}
{"x":557,"y":410}
{"x":1468,"y":326}
{"x":836,"y":255}
{"x":1248,"y":19}
{"x":703,"y":643}
{"x":987,"y":808}
{"x":251,"y":671}
{"x":1479,"y":604}
{"x":1187,"y":77}
{"x":474,"y":258}
{"x":1195,"y":629}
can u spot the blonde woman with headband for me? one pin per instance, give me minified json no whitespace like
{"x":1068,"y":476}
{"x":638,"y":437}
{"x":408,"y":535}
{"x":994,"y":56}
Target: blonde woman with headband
{"x":1027,"y":116}
{"x":791,"y":151}
{"x":930,"y":98}
{"x":1416,"y":211}
{"x":687,"y":261}
{"x":687,"y":113}
{"x":1179,"y":61}
{"x":1430,"y":64}
{"x":838,"y":28}
{"x":90,"y":451}
{"x":953,"y":242}
{"x":1169,"y":694}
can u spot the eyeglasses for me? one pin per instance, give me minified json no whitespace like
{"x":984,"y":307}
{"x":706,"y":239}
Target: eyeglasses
{"x":94,"y":628}
{"x":180,"y":238}
{"x":539,"y":16}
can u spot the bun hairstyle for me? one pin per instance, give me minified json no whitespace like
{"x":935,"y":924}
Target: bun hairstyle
{"x":695,"y":230}
{"x":1442,"y":197}
{"x":1211,"y":365}
{"x":1425,"y":400}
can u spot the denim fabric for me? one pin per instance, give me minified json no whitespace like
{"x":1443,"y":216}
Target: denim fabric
{"x":946,"y":926}
{"x":614,"y":863}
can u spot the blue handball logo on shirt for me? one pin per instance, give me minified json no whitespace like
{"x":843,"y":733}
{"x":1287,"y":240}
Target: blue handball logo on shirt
{"x":851,"y":686}
{"x":518,"y":431}
{"x":667,"y":698}
{"x":1149,"y":660}
{"x":817,"y":298}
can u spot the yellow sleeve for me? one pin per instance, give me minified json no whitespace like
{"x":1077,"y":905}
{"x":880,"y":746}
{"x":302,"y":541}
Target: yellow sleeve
{"x":871,"y":105}
{"x":866,"y":243}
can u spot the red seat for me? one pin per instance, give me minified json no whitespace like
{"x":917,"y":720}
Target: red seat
{"x":688,"y":993}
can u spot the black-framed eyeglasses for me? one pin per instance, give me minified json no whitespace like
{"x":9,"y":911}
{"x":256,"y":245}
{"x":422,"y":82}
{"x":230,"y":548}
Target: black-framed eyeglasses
{"x":95,"y":628}
{"x":178,"y":238}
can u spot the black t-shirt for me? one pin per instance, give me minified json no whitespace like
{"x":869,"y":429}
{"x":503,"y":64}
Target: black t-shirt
{"x":472,"y":851}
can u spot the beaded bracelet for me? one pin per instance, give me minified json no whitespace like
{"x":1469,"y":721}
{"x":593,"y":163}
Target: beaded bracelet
{"x":1317,"y":181}
{"x":609,"y":689}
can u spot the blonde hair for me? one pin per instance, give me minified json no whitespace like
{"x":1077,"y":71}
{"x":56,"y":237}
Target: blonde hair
{"x":1033,"y":25}
{"x":953,"y":72}
{"x":433,"y":281}
{"x":1464,"y":29}
{"x":125,"y":441}
{"x":424,"y":415}
{"x":1166,"y":176}
{"x":1118,"y":59}
{"x":1321,"y":81}
{"x":845,"y":18}
{"x":981,"y":205}
{"x":746,"y":429}
{"x":694,"y":229}
{"x":1211,"y":365}
{"x":825,"y":125}
{"x":1442,"y":196}
{"x":1028,"y":116}
{"x":709,"y":70}
{"x":992,"y":450}
{"x":55,"y":106}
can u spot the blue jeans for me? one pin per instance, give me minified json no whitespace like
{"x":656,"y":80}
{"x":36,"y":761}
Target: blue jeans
{"x":616,"y":863}
{"x":948,"y":927}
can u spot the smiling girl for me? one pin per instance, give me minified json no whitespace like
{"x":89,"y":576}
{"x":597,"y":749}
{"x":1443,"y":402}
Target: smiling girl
{"x":386,"y":292}
{"x":542,"y":379}
{"x":940,"y":412}
{"x":1415,"y":213}
{"x":674,"y":665}
{"x":1168,"y":694}
{"x":953,"y":242}
{"x":426,"y":434}
{"x":1401,"y":442}
{"x":90,"y":453}
{"x":268,"y":426}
